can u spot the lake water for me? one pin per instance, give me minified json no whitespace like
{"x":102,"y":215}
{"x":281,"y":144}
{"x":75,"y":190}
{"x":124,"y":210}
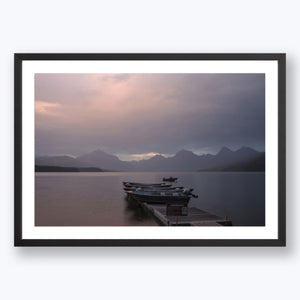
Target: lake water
{"x":98,"y":199}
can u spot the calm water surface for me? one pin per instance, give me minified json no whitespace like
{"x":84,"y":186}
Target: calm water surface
{"x":98,"y":199}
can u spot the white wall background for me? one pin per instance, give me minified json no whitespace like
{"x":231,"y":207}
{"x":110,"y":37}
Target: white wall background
{"x":149,"y":26}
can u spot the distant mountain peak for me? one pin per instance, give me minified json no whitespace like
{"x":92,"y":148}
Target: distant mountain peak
{"x":101,"y":159}
{"x":157,"y":157}
{"x":99,"y":151}
{"x":246,"y":149}
{"x":184,"y":152}
{"x":224,"y":150}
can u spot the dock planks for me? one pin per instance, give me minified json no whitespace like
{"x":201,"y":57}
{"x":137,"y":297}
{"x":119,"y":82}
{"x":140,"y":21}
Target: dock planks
{"x":195,"y":217}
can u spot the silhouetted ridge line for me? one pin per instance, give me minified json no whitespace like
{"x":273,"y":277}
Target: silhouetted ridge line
{"x":244,"y":159}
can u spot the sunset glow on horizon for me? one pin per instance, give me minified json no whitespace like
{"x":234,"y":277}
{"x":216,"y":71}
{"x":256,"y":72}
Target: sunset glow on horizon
{"x":140,"y":156}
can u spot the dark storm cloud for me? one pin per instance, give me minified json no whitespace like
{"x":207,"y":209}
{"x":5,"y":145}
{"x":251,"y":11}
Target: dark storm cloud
{"x":142,"y":113}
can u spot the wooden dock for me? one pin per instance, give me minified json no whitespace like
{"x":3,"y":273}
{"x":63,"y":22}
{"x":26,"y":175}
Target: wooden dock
{"x":194,"y":217}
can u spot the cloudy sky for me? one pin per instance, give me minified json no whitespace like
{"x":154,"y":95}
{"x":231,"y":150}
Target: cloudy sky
{"x":138,"y":115}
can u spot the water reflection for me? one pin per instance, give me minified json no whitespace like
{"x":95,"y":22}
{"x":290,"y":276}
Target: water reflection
{"x":97,"y":199}
{"x":138,"y":213}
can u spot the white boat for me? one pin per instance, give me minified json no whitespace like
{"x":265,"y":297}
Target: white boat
{"x":163,"y":184}
{"x":158,"y":196}
{"x":153,"y":188}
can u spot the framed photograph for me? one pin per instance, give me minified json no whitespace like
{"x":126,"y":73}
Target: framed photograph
{"x":150,"y":150}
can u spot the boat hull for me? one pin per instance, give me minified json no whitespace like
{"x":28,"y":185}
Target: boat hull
{"x":171,"y":179}
{"x":159,"y":199}
{"x":138,"y":184}
{"x":153,"y":189}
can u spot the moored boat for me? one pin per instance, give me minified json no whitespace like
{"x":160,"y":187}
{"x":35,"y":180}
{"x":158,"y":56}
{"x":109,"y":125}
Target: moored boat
{"x":126,"y":183}
{"x":149,"y":188}
{"x":162,"y":196}
{"x":170,"y":179}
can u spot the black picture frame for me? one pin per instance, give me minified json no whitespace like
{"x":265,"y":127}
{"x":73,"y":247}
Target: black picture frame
{"x":19,"y":58}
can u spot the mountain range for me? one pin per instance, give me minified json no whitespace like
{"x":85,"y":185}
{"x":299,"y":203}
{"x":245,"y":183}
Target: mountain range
{"x":243,"y":159}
